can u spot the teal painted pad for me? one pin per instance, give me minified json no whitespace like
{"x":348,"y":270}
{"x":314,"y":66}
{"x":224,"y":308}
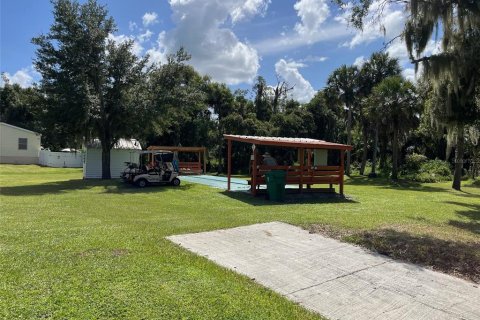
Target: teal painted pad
{"x":236,"y":184}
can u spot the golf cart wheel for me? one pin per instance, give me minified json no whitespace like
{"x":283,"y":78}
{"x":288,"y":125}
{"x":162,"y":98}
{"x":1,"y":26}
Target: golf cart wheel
{"x":176,"y":182}
{"x":142,"y":183}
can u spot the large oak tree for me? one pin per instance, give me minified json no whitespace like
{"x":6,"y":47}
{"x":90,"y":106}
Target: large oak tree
{"x":92,"y":82}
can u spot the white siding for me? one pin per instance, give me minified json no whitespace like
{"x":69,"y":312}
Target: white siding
{"x":92,"y":165}
{"x":9,"y":152}
{"x":61,"y":159}
{"x":320,"y":157}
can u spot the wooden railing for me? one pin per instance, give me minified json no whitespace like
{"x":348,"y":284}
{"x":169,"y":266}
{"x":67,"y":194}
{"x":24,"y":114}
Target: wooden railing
{"x":190,"y":168}
{"x":301,"y":175}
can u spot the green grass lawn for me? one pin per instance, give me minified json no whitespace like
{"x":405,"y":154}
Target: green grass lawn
{"x":95,"y":249}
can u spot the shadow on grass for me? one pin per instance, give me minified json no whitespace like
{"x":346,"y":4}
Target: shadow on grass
{"x":113,"y":186}
{"x":306,"y":198}
{"x":455,"y":258}
{"x":474,"y":184}
{"x":391,"y":184}
{"x":466,"y":194}
{"x":472,"y":213}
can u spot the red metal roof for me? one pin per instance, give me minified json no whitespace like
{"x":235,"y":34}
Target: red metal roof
{"x":288,"y":142}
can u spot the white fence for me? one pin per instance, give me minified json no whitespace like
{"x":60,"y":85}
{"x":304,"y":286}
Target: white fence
{"x":61,"y":159}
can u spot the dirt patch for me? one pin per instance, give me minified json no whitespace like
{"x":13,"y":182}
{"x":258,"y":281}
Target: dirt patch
{"x":119,"y":252}
{"x":89,"y":252}
{"x":461,"y":259}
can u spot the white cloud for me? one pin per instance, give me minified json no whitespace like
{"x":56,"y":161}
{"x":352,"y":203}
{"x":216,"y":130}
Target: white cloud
{"x":137,"y":48}
{"x":293,"y":40}
{"x":157,"y":54}
{"x":145,"y":36}
{"x":383,"y":21}
{"x":132,"y":26}
{"x":24,"y":77}
{"x":311,"y":58}
{"x":149,"y":18}
{"x":398,"y":49}
{"x":359,"y":61}
{"x":248,"y":9}
{"x":302,"y":90}
{"x":215,"y":49}
{"x":409,"y":74}
{"x":312,"y":28}
{"x":312,"y":14}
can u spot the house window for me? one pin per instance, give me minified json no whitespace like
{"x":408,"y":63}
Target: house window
{"x":22,"y":143}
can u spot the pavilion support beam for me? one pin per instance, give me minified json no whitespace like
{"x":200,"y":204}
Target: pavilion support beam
{"x":342,"y":170}
{"x":309,"y":165}
{"x":301,"y":161}
{"x":254,"y":172}
{"x":229,"y":163}
{"x":204,"y":161}
{"x":199,"y":161}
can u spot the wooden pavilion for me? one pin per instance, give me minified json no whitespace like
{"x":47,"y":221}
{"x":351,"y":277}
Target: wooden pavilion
{"x":188,"y":167}
{"x":303,"y":173}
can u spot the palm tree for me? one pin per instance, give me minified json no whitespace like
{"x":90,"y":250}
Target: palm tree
{"x":455,"y":70}
{"x":377,"y":68}
{"x":344,"y":85}
{"x":395,"y":104}
{"x":458,"y":62}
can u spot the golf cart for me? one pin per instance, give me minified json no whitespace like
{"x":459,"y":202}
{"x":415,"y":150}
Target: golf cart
{"x":154,"y":168}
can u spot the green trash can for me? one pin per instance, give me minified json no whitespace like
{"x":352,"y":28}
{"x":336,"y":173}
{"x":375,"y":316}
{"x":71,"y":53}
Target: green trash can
{"x":276,"y":184}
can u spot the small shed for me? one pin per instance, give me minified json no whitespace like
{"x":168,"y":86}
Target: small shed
{"x":18,"y":145}
{"x":125,"y":150}
{"x":188,"y":167}
{"x":311,"y":167}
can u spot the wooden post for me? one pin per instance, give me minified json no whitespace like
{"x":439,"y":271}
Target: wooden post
{"x":301,"y":161}
{"x":253,"y":180}
{"x":342,"y":170}
{"x":199,"y":161}
{"x":229,"y":162}
{"x":205,"y":161}
{"x":309,"y":166}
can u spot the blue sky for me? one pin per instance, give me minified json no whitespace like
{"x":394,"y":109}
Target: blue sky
{"x":300,"y":41}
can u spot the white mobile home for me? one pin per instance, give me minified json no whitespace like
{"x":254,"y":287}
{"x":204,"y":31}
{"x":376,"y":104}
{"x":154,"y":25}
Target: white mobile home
{"x":125,"y":150}
{"x":18,"y":145}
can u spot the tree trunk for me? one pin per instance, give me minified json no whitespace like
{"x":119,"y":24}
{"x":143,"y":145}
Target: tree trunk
{"x":475,"y":165}
{"x":106,"y":161}
{"x":374,"y":155}
{"x":395,"y":155}
{"x":457,"y":175}
{"x":349,"y":139}
{"x":383,"y":153}
{"x":365,"y":149}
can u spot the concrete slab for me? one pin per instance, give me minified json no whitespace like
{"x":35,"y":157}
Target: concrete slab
{"x":335,"y":279}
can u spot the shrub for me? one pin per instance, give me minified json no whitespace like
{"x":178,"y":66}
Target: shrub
{"x":413,"y":162}
{"x":419,"y":168}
